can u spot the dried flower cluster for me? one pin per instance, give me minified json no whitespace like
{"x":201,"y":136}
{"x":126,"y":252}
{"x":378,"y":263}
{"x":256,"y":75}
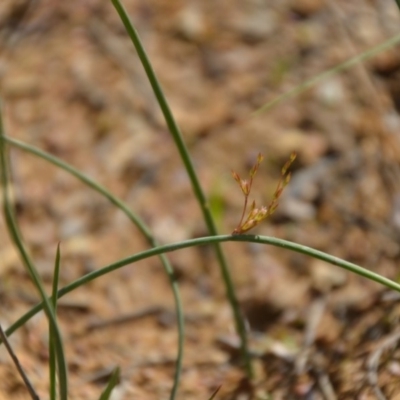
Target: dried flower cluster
{"x":256,"y":215}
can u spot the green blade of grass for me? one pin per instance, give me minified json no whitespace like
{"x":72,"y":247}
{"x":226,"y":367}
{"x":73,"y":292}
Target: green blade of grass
{"x":52,"y":338}
{"x":138,"y":223}
{"x":215,"y":393}
{"x":87,"y":181}
{"x":114,"y":379}
{"x":298,"y":248}
{"x":330,"y":72}
{"x":198,"y":191}
{"x":29,"y":265}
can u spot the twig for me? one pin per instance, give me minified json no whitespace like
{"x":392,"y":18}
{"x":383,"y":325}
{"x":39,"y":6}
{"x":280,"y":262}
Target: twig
{"x":325,"y":385}
{"x":373,"y":363}
{"x":121,"y":319}
{"x":315,"y":314}
{"x":24,"y":377}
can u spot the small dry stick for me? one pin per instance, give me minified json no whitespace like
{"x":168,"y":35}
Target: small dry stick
{"x":256,"y":215}
{"x":28,"y":385}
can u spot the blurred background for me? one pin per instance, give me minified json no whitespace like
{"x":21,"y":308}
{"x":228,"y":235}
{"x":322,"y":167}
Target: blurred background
{"x":72,"y":85}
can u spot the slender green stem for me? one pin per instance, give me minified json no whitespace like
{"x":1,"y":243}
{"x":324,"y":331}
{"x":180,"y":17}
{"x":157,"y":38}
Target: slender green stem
{"x":84,"y":179}
{"x":298,"y":248}
{"x":52,"y":339}
{"x":113,"y":381}
{"x":330,"y":72}
{"x":398,"y":3}
{"x":29,"y":265}
{"x":198,"y":191}
{"x":140,"y":225}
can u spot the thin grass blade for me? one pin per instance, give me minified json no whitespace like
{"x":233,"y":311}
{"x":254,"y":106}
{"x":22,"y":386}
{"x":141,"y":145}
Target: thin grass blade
{"x":16,"y":237}
{"x":114,"y":380}
{"x":133,"y":218}
{"x":52,"y":336}
{"x":330,"y":72}
{"x":197,"y":189}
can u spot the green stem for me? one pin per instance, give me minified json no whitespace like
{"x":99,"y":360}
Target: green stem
{"x":140,"y":225}
{"x":198,"y":191}
{"x":52,"y":340}
{"x":330,"y":72}
{"x":298,"y":248}
{"x":16,"y":237}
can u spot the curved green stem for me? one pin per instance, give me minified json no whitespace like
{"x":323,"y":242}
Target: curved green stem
{"x":330,"y":72}
{"x":16,"y":237}
{"x":140,"y":225}
{"x":298,"y":248}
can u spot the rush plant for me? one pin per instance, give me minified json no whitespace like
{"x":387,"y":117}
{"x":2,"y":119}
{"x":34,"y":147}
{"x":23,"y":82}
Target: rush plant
{"x":250,"y":218}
